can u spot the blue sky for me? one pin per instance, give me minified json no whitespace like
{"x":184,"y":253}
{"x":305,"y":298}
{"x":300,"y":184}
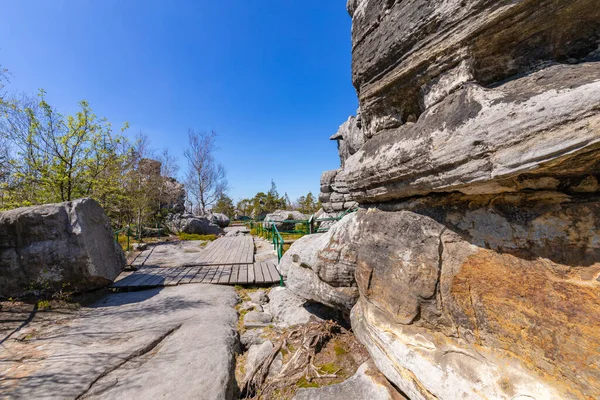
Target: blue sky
{"x":271,"y":77}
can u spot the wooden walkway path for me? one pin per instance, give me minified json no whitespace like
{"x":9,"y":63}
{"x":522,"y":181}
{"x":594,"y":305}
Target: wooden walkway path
{"x":239,"y":274}
{"x":228,"y":250}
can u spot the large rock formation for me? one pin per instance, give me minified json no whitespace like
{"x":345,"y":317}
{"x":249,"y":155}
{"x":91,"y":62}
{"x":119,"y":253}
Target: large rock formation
{"x":191,"y":224}
{"x":478,"y":260}
{"x":278,"y":216}
{"x":57,"y":246}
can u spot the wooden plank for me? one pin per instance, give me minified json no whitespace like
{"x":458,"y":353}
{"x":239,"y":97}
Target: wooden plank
{"x":259,"y":274}
{"x":225,"y":274}
{"x":169,"y":274}
{"x":215,"y":278}
{"x":157,"y":280}
{"x":233,"y":277}
{"x":243,"y":275}
{"x":135,"y":278}
{"x":210,"y":275}
{"x":187,"y":278}
{"x":200,"y":275}
{"x":176,"y":276}
{"x":274,"y":272}
{"x":264,"y":267}
{"x":148,"y":275}
{"x":251,"y":274}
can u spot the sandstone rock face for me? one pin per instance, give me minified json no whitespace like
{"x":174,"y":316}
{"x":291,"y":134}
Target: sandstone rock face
{"x":478,"y":260}
{"x":349,"y":137}
{"x":406,"y":55}
{"x":189,"y":223}
{"x":57,"y":245}
{"x":480,"y":140}
{"x":445,"y":300}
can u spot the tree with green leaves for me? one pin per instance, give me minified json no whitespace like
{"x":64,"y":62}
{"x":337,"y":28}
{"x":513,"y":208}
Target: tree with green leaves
{"x":308,"y":204}
{"x":224,"y":205}
{"x":58,"y":158}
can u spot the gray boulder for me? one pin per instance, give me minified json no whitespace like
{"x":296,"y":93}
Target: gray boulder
{"x":321,"y":267}
{"x":366,"y":383}
{"x":54,"y":245}
{"x":256,"y":355}
{"x":282,"y":215}
{"x":257,"y":319}
{"x":287,"y":308}
{"x":219,"y":219}
{"x":189,"y":223}
{"x":259,"y":297}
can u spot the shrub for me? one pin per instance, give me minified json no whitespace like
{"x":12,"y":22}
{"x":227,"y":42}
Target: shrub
{"x":195,"y":236}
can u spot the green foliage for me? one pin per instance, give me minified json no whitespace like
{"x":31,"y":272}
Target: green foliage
{"x":339,"y":349}
{"x":308,"y":204}
{"x":195,"y":236}
{"x":60,"y":158}
{"x":303,"y":383}
{"x":224,"y":205}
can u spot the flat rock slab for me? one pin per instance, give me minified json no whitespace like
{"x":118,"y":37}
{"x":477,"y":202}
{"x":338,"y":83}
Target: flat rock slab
{"x":175,"y":342}
{"x":366,"y":383}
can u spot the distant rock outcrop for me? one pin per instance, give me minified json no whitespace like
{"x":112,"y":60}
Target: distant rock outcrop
{"x":191,"y":224}
{"x":57,"y":246}
{"x":473,"y":267}
{"x":278,"y":216}
{"x":219,"y":219}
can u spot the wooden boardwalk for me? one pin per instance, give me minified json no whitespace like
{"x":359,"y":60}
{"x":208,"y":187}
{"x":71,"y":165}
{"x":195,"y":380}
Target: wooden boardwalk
{"x":238,"y":274}
{"x":228,"y":250}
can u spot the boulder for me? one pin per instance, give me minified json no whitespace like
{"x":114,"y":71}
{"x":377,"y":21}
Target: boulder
{"x":439,"y":311}
{"x":256,"y":355}
{"x":320,"y":267}
{"x":57,"y":246}
{"x":477,"y":263}
{"x":257,"y":319}
{"x":219,"y":219}
{"x":287,"y":308}
{"x":282,"y":215}
{"x":366,"y":383}
{"x":251,"y":337}
{"x":191,"y":224}
{"x":259,"y":297}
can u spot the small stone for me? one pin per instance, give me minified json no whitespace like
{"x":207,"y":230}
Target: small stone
{"x":256,"y":355}
{"x":259,"y":297}
{"x":251,"y":337}
{"x":256,"y":319}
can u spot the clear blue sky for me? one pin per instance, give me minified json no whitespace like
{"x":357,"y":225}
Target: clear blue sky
{"x":271,"y":77}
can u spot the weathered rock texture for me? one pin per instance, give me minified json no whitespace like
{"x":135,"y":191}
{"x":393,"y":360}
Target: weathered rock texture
{"x":55,"y":246}
{"x":189,"y":223}
{"x":478,"y":261}
{"x":320,"y":267}
{"x":278,"y":216}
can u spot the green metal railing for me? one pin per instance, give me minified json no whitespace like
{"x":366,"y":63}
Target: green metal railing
{"x":268,"y":229}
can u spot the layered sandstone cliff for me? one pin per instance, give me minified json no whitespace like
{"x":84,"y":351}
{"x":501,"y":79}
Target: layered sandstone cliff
{"x":472,"y":269}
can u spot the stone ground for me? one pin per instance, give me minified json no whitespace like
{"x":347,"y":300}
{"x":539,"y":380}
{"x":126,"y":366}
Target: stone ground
{"x":148,"y":344}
